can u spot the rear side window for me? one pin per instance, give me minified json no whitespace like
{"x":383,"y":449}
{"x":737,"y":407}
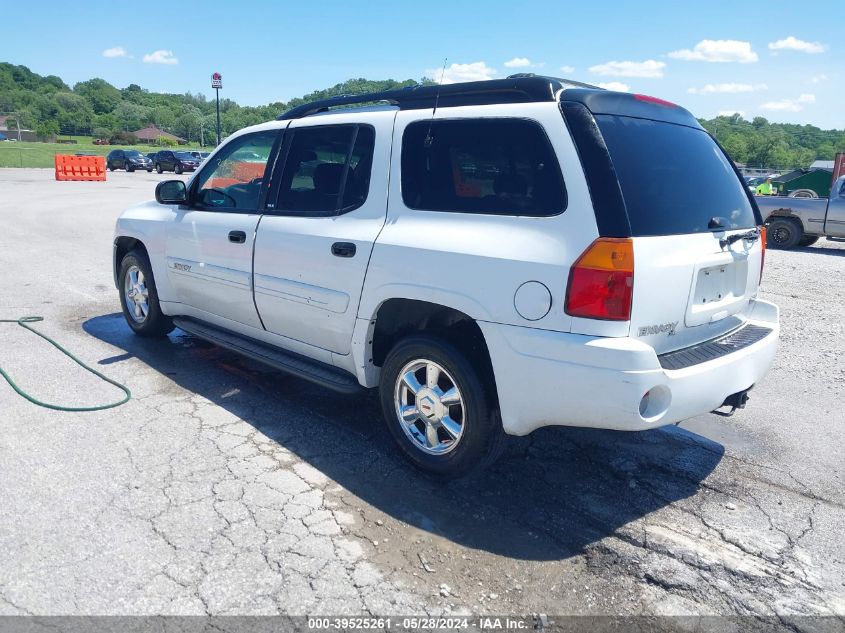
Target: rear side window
{"x":674,"y":179}
{"x":327,"y":170}
{"x":492,"y":166}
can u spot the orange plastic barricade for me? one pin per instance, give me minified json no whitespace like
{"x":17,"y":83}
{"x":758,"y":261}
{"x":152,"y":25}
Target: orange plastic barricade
{"x":80,"y":167}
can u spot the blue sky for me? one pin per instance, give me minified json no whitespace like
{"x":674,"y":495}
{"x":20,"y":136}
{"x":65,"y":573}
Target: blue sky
{"x":775,"y":59}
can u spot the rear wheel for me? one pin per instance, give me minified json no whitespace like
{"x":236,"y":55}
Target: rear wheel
{"x":139,"y":298}
{"x":438,"y":409}
{"x":783,"y":233}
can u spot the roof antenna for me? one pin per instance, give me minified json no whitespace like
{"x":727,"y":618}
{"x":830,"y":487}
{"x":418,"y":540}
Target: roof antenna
{"x":428,"y":138}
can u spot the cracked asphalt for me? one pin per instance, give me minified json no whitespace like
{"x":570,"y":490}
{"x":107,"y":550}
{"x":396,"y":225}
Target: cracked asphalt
{"x":224,"y":487}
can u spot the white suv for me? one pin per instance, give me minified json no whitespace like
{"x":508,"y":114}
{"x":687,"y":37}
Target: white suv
{"x":494,"y":256}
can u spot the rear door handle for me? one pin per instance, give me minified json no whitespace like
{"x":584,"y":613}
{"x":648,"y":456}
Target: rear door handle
{"x":343,"y":249}
{"x":238,"y":237}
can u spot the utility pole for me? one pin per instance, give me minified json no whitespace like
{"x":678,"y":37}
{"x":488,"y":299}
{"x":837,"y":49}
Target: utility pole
{"x":217,"y":84}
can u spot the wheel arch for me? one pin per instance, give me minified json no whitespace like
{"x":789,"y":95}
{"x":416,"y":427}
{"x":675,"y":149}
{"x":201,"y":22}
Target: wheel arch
{"x":123,"y":244}
{"x":397,"y":318}
{"x":786,"y":214}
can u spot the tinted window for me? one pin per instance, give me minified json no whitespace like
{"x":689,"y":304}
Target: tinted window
{"x":674,"y":178}
{"x":184,"y":156}
{"x":327,"y":170}
{"x":502,"y":166}
{"x":132,"y":153}
{"x":233,"y":179}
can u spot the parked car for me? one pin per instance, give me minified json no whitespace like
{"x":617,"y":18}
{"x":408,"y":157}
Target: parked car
{"x":175,"y":161}
{"x":152,"y":156}
{"x":796,"y":221}
{"x":101,"y":141}
{"x":128,"y":159}
{"x":571,"y":278}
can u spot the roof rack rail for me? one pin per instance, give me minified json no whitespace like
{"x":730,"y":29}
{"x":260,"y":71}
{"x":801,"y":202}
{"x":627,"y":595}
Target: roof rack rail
{"x":521,"y":88}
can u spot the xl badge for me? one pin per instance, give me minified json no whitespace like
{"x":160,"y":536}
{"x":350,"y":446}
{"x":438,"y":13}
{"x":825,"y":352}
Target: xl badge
{"x":663,"y":328}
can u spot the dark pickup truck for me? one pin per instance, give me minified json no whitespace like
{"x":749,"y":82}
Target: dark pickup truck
{"x":792,"y":222}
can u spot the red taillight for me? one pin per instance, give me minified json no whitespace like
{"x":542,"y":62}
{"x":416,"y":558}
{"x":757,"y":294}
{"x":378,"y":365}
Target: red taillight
{"x":762,"y":252}
{"x":601,"y":282}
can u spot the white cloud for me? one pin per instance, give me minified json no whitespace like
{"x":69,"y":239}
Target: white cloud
{"x":161,"y":57}
{"x":518,"y":62}
{"x":794,"y":44}
{"x":727,"y":88}
{"x":616,"y":86}
{"x":116,"y":51}
{"x":718,"y":51}
{"x":784,"y":105}
{"x":819,"y":78}
{"x":476,"y":71}
{"x":567,"y":69}
{"x":650,"y":69}
{"x":789,"y":105}
{"x":732,"y":112}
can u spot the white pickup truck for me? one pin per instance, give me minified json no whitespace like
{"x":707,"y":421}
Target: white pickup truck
{"x":494,"y":257}
{"x":795,"y":222}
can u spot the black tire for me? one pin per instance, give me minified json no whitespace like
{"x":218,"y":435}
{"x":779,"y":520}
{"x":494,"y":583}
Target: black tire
{"x":158,"y":168}
{"x":111,"y":167}
{"x":783,"y":233}
{"x":129,"y":168}
{"x":482,"y":439}
{"x":155,"y":323}
{"x":178,"y":168}
{"x":149,"y":170}
{"x":808,"y":240}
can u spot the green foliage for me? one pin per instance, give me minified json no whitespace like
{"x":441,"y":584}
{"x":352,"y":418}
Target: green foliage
{"x":47,"y":129}
{"x":123,"y":138}
{"x":163,"y":141}
{"x":776,"y":145}
{"x":97,"y":108}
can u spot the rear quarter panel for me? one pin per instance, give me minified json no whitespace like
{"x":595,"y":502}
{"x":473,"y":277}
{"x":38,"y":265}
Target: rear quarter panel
{"x":475,"y":262}
{"x":809,"y":211}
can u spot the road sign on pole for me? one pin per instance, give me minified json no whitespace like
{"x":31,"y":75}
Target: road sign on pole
{"x":217,"y":84}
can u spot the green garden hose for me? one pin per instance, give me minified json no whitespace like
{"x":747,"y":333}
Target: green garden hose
{"x":24,"y":323}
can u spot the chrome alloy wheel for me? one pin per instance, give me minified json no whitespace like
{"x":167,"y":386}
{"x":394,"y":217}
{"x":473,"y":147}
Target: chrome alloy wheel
{"x":430,"y":407}
{"x":136,"y":294}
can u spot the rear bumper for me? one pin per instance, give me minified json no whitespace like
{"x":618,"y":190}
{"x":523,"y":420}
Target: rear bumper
{"x":548,"y":378}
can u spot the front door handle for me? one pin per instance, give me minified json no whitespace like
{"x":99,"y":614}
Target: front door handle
{"x":343,"y":249}
{"x":238,"y":237}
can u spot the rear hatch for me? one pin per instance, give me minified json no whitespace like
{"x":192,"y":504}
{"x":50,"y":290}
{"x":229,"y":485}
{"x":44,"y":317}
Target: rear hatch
{"x":687,"y":211}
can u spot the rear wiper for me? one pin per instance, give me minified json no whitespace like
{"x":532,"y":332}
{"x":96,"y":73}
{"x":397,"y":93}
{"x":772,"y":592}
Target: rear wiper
{"x":752,"y":236}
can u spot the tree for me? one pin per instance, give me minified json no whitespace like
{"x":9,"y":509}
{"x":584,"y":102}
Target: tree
{"x":46,"y":129}
{"x":102,"y":95}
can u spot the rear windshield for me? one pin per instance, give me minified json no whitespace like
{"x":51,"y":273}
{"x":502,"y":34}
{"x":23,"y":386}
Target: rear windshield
{"x":674,"y":179}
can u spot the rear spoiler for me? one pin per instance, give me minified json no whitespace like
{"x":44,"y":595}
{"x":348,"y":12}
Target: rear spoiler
{"x":633,"y":105}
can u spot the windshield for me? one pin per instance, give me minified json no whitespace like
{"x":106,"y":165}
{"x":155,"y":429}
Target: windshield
{"x":184,"y":155}
{"x":131,"y":153}
{"x":674,"y":179}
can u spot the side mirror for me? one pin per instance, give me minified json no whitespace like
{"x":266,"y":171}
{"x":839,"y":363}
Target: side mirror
{"x":171,"y":192}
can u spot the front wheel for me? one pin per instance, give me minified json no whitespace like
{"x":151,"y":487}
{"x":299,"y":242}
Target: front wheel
{"x":139,"y":298}
{"x":438,"y":408}
{"x":178,"y":168}
{"x":158,"y":168}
